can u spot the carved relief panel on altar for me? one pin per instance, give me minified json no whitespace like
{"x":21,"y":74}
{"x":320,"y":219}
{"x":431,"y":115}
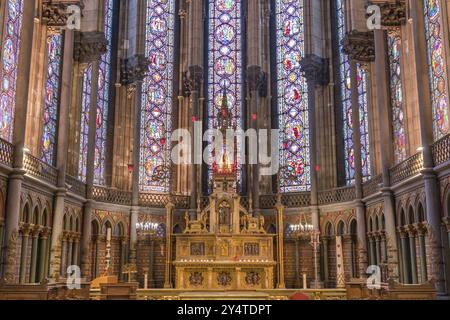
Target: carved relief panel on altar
{"x":197,"y":249}
{"x":224,"y":217}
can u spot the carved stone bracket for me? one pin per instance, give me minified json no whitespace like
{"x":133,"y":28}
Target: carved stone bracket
{"x":360,"y":45}
{"x":54,"y":13}
{"x":315,"y":69}
{"x":89,"y":46}
{"x":393,"y":13}
{"x":133,"y":69}
{"x":257,"y":80}
{"x":192,"y":80}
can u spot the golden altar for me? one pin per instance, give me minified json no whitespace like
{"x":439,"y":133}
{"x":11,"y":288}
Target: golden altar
{"x":224,"y":246}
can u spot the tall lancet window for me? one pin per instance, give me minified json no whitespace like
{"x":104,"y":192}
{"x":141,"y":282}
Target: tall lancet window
{"x":225,"y":73}
{"x":437,"y":61}
{"x":397,"y":106}
{"x":292,"y":95}
{"x":9,"y":63}
{"x":362,"y":78}
{"x":51,"y":98}
{"x":156,"y":124}
{"x":346,"y":105}
{"x":103,"y":94}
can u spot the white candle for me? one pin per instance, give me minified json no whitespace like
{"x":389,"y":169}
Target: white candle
{"x":108,"y":234}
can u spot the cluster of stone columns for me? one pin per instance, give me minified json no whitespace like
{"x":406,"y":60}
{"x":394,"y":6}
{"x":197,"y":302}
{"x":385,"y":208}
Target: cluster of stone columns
{"x":413,"y":253}
{"x":33,"y":267}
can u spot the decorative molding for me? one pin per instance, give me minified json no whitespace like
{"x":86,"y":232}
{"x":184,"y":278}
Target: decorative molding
{"x":393,"y":13}
{"x":54,"y":14}
{"x":360,"y":45}
{"x":257,"y":80}
{"x":315,"y":69}
{"x":133,"y":69}
{"x":89,"y":46}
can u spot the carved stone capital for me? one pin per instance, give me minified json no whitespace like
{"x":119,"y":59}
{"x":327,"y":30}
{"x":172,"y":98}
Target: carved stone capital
{"x":257,"y":80}
{"x":192,"y":80}
{"x":315,"y":69}
{"x":54,"y":14}
{"x":446,"y":221}
{"x":360,"y":45}
{"x":133,"y":69}
{"x":89,"y":46}
{"x":393,"y":13}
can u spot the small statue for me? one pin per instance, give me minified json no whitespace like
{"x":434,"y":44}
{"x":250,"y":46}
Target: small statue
{"x":261,"y":223}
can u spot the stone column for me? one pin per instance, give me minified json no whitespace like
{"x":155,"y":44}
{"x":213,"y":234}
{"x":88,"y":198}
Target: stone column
{"x":373,"y":257}
{"x":195,"y":83}
{"x":412,"y":254}
{"x":55,"y":18}
{"x":88,"y":49}
{"x":34,"y":255}
{"x":63,"y":255}
{"x":20,"y":124}
{"x":134,"y":214}
{"x":88,"y":206}
{"x":168,"y":266}
{"x":422,"y":253}
{"x":23,"y":254}
{"x":255,"y":80}
{"x":42,"y":256}
{"x":315,"y":70}
{"x":433,"y":206}
{"x":360,"y":48}
{"x":76,"y":245}
{"x":386,"y":140}
{"x":134,"y":70}
{"x":70,"y":251}
{"x":378,"y":248}
{"x":404,"y":246}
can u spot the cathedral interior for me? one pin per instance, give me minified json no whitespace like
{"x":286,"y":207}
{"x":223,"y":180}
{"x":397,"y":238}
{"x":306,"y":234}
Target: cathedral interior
{"x":113,"y":179}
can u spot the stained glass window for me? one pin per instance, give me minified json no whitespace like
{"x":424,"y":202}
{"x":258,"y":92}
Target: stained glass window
{"x":156,"y":125}
{"x":346,"y":104}
{"x":104,"y":74}
{"x":84,"y":127}
{"x":437,"y":67}
{"x":225,"y":64}
{"x":51,"y":100}
{"x":345,"y":88}
{"x":8,"y":68}
{"x":292,"y":97}
{"x":395,"y":75}
{"x":362,"y":79}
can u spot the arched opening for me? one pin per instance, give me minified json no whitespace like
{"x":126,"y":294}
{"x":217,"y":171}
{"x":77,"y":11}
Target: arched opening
{"x":340,"y":229}
{"x":370,"y":224}
{"x":177,"y":229}
{"x":26,"y":213}
{"x":329,"y":256}
{"x":402,"y":218}
{"x":411,"y":218}
{"x":35,"y":220}
{"x":95,"y":227}
{"x":421,"y":213}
